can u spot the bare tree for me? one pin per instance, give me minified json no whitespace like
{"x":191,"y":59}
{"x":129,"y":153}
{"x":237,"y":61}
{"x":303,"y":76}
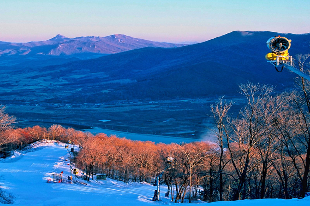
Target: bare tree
{"x":6,"y":120}
{"x":57,"y":132}
{"x":252,"y":127}
{"x":303,"y":105}
{"x":220,"y":111}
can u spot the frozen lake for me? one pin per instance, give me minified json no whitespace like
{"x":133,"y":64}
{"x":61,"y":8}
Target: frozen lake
{"x":142,"y":137}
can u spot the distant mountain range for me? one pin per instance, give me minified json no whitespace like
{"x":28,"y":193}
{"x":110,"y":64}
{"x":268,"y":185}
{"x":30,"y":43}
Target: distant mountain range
{"x":61,"y":45}
{"x":212,"y":68}
{"x":61,"y":49}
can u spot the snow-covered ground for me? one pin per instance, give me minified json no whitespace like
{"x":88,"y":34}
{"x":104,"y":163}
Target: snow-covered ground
{"x":25,"y":176}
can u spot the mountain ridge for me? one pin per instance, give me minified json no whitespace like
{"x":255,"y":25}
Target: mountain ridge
{"x":61,"y":45}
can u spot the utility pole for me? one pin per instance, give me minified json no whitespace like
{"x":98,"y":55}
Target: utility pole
{"x":190,"y":183}
{"x":158,"y":188}
{"x":157,"y":191}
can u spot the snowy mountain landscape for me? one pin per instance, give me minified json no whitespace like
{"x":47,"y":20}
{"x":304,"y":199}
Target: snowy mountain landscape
{"x":152,"y":103}
{"x":161,"y":101}
{"x":26,"y":179}
{"x":145,"y":115}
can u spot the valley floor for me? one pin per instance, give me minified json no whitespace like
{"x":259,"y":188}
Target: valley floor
{"x":25,"y":176}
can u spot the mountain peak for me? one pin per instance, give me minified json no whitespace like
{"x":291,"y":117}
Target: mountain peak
{"x":58,"y":37}
{"x":119,"y":36}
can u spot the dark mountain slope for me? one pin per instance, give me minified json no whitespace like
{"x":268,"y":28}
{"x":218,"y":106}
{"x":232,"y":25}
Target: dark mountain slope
{"x":215,"y":67}
{"x":222,"y":64}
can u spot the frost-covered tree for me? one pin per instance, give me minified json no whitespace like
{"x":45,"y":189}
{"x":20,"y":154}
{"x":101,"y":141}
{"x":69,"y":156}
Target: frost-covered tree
{"x":6,"y":120}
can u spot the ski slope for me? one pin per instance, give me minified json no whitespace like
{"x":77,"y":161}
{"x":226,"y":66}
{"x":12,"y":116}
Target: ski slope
{"x":25,"y":176}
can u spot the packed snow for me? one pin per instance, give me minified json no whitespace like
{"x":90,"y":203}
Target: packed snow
{"x":28,"y":177}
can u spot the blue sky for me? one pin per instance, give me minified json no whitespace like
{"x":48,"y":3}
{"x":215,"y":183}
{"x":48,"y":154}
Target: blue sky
{"x":158,"y":20}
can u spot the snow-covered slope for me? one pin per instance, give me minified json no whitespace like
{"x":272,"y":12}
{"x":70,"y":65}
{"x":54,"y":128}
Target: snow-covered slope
{"x":25,"y":176}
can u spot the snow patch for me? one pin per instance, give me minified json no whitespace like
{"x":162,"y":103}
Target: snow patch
{"x":246,"y":33}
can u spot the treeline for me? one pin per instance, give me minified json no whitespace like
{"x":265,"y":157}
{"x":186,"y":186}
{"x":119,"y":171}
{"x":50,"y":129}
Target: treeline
{"x":179,"y":166}
{"x":12,"y":139}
